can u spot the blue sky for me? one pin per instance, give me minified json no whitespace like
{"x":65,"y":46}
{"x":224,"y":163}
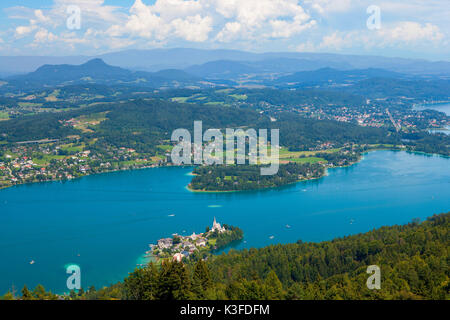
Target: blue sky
{"x":407,"y":28}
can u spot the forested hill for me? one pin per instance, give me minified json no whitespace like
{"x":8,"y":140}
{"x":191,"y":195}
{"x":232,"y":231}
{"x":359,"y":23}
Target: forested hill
{"x":141,"y":124}
{"x":136,"y":120}
{"x":413,"y":260}
{"x":96,"y":71}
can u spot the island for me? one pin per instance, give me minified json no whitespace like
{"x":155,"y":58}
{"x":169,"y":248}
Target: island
{"x":196,"y":246}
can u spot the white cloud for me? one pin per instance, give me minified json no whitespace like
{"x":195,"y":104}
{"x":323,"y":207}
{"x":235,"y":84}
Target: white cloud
{"x":166,"y":19}
{"x":41,"y":18}
{"x":44,"y":36}
{"x":405,"y":34}
{"x":330,"y":6}
{"x":221,"y":20}
{"x":307,"y":46}
{"x":36,"y":18}
{"x":230,"y":31}
{"x":307,"y":25}
{"x":194,"y":28}
{"x":252,"y":19}
{"x":22,"y":31}
{"x":285,"y":29}
{"x":337,"y":41}
{"x":411,"y":32}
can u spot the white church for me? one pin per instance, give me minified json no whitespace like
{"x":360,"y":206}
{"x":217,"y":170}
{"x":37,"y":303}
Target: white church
{"x":217,"y":226}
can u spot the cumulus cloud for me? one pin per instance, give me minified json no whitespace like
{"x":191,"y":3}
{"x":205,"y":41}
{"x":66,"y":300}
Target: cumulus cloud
{"x":304,"y":25}
{"x":166,"y":19}
{"x":44,"y":36}
{"x":22,"y":31}
{"x":35,"y":18}
{"x":401,"y":35}
{"x":194,"y":28}
{"x":261,"y":19}
{"x":220,"y":20}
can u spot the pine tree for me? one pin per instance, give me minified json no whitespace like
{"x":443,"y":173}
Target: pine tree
{"x":273,"y":286}
{"x":173,"y":282}
{"x":141,"y":284}
{"x":39,"y":292}
{"x":26,"y":294}
{"x":201,"y":280}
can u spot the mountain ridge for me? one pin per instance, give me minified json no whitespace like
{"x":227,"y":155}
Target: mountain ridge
{"x":182,"y":58}
{"x":97,"y":71}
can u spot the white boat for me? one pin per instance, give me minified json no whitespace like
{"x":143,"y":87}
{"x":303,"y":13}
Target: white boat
{"x":32,"y":262}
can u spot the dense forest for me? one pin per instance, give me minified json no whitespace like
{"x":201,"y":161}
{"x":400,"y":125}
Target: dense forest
{"x":413,"y":258}
{"x":224,"y":239}
{"x":143,"y":124}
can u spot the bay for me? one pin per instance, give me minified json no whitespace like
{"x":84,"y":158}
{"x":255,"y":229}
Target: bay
{"x":442,"y":107}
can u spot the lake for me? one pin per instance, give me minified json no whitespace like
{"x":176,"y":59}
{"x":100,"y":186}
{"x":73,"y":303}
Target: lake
{"x":442,"y":107}
{"x":104,"y":223}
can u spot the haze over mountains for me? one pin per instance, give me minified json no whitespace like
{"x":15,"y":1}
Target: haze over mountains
{"x":193,"y":59}
{"x":373,"y":76}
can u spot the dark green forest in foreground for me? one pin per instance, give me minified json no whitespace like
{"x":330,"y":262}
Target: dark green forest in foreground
{"x":413,"y":259}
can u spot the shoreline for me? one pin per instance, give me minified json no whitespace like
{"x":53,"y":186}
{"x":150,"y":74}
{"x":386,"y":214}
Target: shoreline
{"x":325,"y":174}
{"x":219,"y":191}
{"x":432,"y":106}
{"x":261,"y":189}
{"x":90,"y":174}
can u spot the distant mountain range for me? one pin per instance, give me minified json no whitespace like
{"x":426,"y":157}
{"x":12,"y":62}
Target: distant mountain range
{"x":373,"y":82}
{"x":193,"y":59}
{"x":97,"y":71}
{"x":330,"y":76}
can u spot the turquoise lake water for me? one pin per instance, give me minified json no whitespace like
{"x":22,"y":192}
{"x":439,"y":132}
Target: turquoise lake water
{"x":104,"y":223}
